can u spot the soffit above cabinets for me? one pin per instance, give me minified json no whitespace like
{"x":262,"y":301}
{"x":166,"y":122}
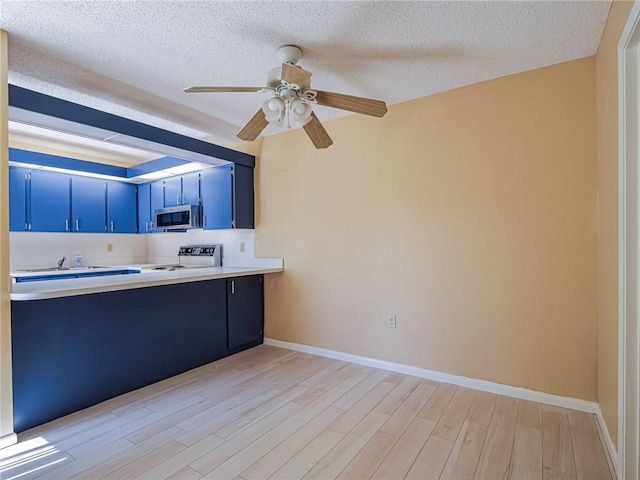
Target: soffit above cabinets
{"x":44,"y":140}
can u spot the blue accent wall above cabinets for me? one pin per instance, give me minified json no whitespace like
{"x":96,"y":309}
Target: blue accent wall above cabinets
{"x":56,"y":161}
{"x":121,"y":208}
{"x":50,"y":202}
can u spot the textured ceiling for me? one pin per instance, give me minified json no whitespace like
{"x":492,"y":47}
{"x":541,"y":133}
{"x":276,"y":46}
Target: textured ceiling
{"x":134,"y":58}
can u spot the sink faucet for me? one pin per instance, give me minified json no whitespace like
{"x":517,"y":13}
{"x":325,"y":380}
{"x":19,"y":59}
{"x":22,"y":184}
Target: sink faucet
{"x":61,"y":261}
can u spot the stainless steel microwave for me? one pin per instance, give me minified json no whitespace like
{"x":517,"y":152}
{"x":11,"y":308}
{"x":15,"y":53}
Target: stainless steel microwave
{"x":180,"y":217}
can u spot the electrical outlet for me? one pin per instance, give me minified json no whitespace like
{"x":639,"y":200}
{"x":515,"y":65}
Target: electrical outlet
{"x":391,"y":321}
{"x":109,"y":247}
{"x":242,"y":248}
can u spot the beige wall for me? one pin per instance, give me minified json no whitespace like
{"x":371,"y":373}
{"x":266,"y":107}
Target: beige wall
{"x":607,"y":114}
{"x":471,"y":215}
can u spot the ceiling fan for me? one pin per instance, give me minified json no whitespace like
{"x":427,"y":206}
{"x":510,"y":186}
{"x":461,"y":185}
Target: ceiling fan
{"x":291,"y":99}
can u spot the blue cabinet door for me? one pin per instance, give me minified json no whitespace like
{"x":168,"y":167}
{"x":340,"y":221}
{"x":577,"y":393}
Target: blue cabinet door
{"x":88,"y":205}
{"x":243,"y":197}
{"x":245,"y":310}
{"x":172,"y":191}
{"x":18,"y":221}
{"x":144,"y":208}
{"x":191,"y":189}
{"x":216,"y":190}
{"x":50,"y":202}
{"x":121,"y":207}
{"x":157,"y":201}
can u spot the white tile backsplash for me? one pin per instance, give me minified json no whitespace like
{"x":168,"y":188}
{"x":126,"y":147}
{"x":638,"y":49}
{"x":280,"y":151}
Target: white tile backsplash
{"x":40,"y":250}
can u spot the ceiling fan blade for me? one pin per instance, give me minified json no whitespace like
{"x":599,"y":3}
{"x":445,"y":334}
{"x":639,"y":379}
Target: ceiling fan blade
{"x":221,"y":89}
{"x":254,"y":127}
{"x":317,"y":133}
{"x":296,"y":75}
{"x":367,"y":106}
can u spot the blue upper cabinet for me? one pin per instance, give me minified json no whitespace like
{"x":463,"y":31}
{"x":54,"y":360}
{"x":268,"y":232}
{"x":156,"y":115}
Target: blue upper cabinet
{"x":50,"y":202}
{"x":227,"y":197}
{"x":157,"y":201}
{"x":18,"y":178}
{"x":191,"y":189}
{"x":88,"y":205}
{"x":172,"y":191}
{"x":182,"y":190}
{"x":144,"y":208}
{"x":121,"y":211}
{"x":150,"y":198}
{"x":243,"y":197}
{"x":217,"y":196}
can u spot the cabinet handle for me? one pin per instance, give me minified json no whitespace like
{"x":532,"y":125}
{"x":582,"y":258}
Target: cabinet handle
{"x":29,"y":226}
{"x":204,"y":221}
{"x":77,"y":225}
{"x":184,"y":199}
{"x":146,"y":226}
{"x":66,"y":224}
{"x":233,"y":287}
{"x":112,"y":225}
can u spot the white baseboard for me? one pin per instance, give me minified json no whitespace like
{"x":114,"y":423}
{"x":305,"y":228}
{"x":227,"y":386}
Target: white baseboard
{"x":484,"y":385}
{"x":608,"y":442}
{"x":8,"y":440}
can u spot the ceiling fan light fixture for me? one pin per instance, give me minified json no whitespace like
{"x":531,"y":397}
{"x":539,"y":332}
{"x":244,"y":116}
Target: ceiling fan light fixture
{"x":291,"y":101}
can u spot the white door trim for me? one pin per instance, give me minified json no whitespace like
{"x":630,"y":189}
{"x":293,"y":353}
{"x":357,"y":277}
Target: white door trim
{"x":628,"y":245}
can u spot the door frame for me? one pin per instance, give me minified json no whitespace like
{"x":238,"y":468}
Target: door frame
{"x":628,"y":246}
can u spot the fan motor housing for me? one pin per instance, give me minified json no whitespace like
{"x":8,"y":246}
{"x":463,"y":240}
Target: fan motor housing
{"x":274,"y":79}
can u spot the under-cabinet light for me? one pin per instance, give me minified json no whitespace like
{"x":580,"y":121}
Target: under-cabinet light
{"x":153,"y":175}
{"x":186,"y":168}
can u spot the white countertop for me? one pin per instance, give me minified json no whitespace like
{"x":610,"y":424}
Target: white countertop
{"x":147,"y":278}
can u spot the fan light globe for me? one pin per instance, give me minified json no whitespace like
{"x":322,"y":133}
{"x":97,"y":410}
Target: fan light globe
{"x":274,"y":110}
{"x":300,"y":111}
{"x":274,"y":105}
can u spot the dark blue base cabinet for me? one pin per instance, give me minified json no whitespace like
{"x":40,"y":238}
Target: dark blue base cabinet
{"x":73,"y":352}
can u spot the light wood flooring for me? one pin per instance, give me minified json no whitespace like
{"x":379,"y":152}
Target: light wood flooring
{"x":274,"y":413}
